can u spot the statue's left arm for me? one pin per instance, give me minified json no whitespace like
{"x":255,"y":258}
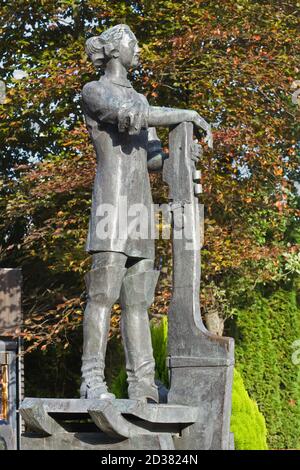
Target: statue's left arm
{"x":166,"y":117}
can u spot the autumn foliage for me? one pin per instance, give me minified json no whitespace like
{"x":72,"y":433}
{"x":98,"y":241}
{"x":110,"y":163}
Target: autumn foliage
{"x":234,"y":62}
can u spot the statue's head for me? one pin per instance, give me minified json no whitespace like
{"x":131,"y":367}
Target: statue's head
{"x":117,"y":42}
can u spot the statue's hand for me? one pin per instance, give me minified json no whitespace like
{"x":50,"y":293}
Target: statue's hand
{"x":133,"y":116}
{"x":200,"y":123}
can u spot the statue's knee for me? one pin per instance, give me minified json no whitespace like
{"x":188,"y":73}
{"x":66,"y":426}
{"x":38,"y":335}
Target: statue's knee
{"x":104,"y":284}
{"x":140,"y":266}
{"x":138,"y":288}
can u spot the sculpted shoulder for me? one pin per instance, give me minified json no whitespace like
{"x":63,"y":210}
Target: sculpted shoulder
{"x":96,"y":97}
{"x":92,"y":89}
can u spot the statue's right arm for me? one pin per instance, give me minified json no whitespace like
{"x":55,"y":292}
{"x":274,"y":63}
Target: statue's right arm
{"x":100,"y":103}
{"x":130,"y":115}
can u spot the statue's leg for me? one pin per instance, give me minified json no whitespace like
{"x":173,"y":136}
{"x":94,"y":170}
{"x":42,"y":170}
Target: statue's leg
{"x":137,"y":294}
{"x":103,"y":286}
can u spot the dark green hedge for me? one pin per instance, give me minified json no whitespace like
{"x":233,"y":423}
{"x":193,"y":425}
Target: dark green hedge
{"x":265,"y":333}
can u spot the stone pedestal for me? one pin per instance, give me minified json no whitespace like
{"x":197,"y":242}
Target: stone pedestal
{"x":56,"y":424}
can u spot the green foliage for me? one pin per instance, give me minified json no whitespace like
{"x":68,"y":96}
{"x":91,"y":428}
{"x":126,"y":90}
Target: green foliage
{"x":247,"y":422}
{"x":119,"y":384}
{"x":265,"y":333}
{"x":56,"y":371}
{"x":159,"y":335}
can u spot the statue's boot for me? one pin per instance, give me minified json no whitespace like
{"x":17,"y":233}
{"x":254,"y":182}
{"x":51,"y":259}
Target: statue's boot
{"x":103,"y":286}
{"x":137,"y":294}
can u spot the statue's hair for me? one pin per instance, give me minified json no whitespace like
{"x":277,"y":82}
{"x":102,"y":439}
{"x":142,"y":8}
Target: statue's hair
{"x":107,"y":43}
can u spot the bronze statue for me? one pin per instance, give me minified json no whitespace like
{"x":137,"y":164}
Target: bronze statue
{"x":121,"y":125}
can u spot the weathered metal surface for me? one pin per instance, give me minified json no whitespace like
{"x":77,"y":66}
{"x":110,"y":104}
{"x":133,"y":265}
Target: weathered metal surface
{"x":96,"y":441}
{"x":37,"y":419}
{"x":111,"y":421}
{"x":154,"y":413}
{"x":201,"y":364}
{"x":121,"y":124}
{"x":119,"y":423}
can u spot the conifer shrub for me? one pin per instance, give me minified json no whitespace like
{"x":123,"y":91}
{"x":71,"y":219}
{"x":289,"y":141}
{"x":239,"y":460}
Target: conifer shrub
{"x":247,"y":422}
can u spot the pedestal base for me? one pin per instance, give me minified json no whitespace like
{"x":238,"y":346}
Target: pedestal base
{"x":62,"y":424}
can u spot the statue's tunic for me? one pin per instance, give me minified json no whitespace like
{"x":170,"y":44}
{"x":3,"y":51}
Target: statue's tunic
{"x":122,"y":177}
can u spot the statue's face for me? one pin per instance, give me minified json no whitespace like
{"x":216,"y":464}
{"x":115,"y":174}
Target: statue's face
{"x":129,"y":50}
